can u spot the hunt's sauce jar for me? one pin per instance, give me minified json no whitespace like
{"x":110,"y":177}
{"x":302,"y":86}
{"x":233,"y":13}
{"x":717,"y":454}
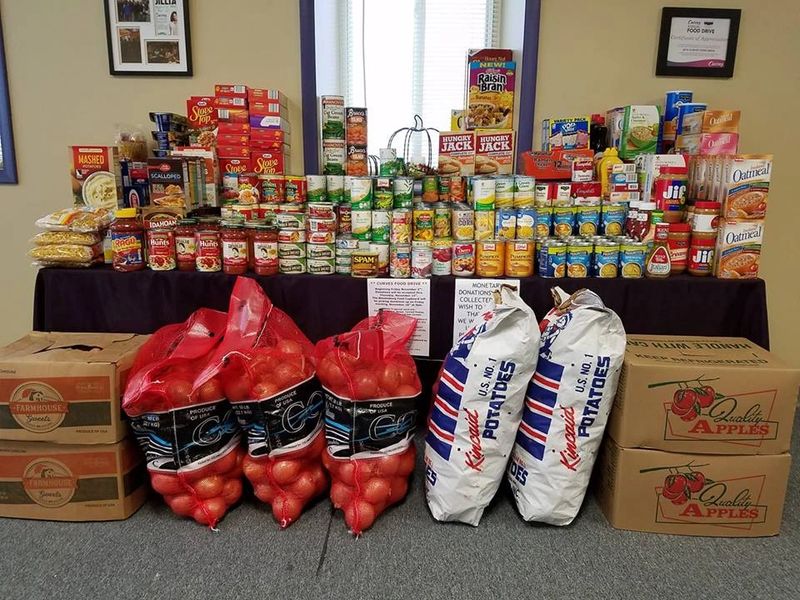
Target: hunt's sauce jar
{"x":161,"y":249}
{"x":209,"y":251}
{"x":185,"y":249}
{"x":234,"y":247}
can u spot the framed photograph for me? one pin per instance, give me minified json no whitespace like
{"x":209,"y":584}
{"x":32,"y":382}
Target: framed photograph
{"x":148,"y":37}
{"x":8,"y":163}
{"x":698,"y":42}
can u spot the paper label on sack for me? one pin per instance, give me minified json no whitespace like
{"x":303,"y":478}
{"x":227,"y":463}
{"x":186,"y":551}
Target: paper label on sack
{"x":411,"y":297}
{"x":471,"y":297}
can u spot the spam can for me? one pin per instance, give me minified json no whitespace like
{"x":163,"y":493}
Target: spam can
{"x":463,"y":259}
{"x":563,"y":220}
{"x":484,"y":224}
{"x":364,"y":263}
{"x":321,"y":251}
{"x":400,"y":226}
{"x":361,"y":224}
{"x":632,"y":257}
{"x":423,"y":223}
{"x":441,"y":220}
{"x":519,"y":258}
{"x":321,"y":266}
{"x":290,"y":266}
{"x":605,"y":259}
{"x":400,"y":261}
{"x":505,"y":223}
{"x":579,"y":258}
{"x":442,"y":250}
{"x":361,"y":193}
{"x":490,"y":258}
{"x":380,"y":225}
{"x":403,"y":192}
{"x":587,"y":220}
{"x":526,"y":222}
{"x":382,"y":194}
{"x":463,"y":222}
{"x":553,"y":259}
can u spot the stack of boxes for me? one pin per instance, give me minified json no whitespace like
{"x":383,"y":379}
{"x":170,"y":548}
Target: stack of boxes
{"x":698,"y":438}
{"x":65,"y":452}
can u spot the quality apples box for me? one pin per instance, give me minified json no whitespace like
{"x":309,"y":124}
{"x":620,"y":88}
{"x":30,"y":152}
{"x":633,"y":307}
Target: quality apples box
{"x":65,"y":387}
{"x":703,"y":394}
{"x":71,"y":483}
{"x":691,"y":494}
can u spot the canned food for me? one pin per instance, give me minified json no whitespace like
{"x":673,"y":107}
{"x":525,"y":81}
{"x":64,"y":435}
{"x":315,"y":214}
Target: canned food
{"x":484,"y":224}
{"x":483,"y":190}
{"x":344,"y":214}
{"x":295,"y":189}
{"x":361,"y":224}
{"x":442,"y":256}
{"x":523,"y":184}
{"x":291,"y":250}
{"x":400,"y":261}
{"x":347,"y":186}
{"x":344,"y":257}
{"x":613,"y":219}
{"x":315,"y":224}
{"x":320,"y":210}
{"x":526,"y":222}
{"x":519,"y":258}
{"x":444,"y":188}
{"x":503,"y":192}
{"x":463,"y":222}
{"x":403,"y":191}
{"x":291,"y":265}
{"x":291,"y":236}
{"x":423,"y":223}
{"x":335,"y":187}
{"x":290,"y":220}
{"x":458,"y":191}
{"x":463,"y":260}
{"x":563,"y":220}
{"x":400,"y":226}
{"x":321,"y":251}
{"x":334,"y":156}
{"x":382,"y":196}
{"x":364,"y":263}
{"x":321,"y":266}
{"x":389,"y":165}
{"x":421,"y":259}
{"x":553,"y":259}
{"x":430,"y":188}
{"x":380,"y":225}
{"x":316,"y":188}
{"x":605,"y":259}
{"x":273,"y":188}
{"x":382,"y":250}
{"x":441,"y":220}
{"x":544,"y":220}
{"x":579,"y":258}
{"x":505,"y":225}
{"x":346,"y":242}
{"x":320,"y":237}
{"x":632,"y":257}
{"x":361,"y":193}
{"x":541,"y":194}
{"x":490,"y":258}
{"x":587,"y":220}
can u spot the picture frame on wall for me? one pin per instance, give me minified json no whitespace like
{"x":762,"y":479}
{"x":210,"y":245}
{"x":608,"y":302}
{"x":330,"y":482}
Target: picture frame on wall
{"x":8,"y":162}
{"x":698,"y":42}
{"x":148,"y":37}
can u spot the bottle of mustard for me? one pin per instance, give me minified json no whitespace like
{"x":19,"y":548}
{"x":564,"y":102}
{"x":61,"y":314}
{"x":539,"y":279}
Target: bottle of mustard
{"x":610,"y":157}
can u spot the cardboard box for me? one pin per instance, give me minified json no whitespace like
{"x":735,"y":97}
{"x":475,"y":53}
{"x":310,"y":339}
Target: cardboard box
{"x":230,"y":90}
{"x":264,"y":95}
{"x":169,"y":182}
{"x":556,"y":164}
{"x":738,"y":250}
{"x":491,"y":77}
{"x":95,"y":175}
{"x":156,"y":216}
{"x":269,"y":162}
{"x":747,"y":408}
{"x":494,"y":153}
{"x":65,"y":387}
{"x":457,"y":153}
{"x":235,"y":165}
{"x":565,"y":134}
{"x":71,"y":483}
{"x":688,"y":494}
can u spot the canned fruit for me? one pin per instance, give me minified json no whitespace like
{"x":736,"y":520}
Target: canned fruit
{"x":400,"y":226}
{"x":463,"y":260}
{"x":442,"y":250}
{"x":441,"y":221}
{"x":423,"y":224}
{"x":490,"y":258}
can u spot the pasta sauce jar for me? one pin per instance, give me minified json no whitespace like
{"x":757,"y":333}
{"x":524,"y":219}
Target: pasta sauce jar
{"x":209,"y":252}
{"x":234,"y":247}
{"x":185,"y":249}
{"x":265,"y":250}
{"x":127,"y":241}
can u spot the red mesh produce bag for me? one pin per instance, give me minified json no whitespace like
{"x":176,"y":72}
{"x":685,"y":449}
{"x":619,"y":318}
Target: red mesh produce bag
{"x":371,"y":384}
{"x":191,"y":439}
{"x":266,"y":367}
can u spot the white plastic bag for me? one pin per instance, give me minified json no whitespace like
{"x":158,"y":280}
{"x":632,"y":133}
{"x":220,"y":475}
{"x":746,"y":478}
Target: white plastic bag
{"x":477,"y":407}
{"x":566,"y":407}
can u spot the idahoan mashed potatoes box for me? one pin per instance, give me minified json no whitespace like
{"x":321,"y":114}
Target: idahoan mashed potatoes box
{"x":703,"y":394}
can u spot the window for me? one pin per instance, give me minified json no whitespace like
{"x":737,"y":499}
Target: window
{"x":401,"y":58}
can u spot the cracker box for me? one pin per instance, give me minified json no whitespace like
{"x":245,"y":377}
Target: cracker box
{"x":95,"y":175}
{"x":691,"y":494}
{"x":738,"y":251}
{"x":745,"y":181}
{"x":491,"y":77}
{"x":712,"y":395}
{"x":268,"y":108}
{"x":639,"y":131}
{"x":457,"y":153}
{"x":494,"y":152}
{"x":58,"y":482}
{"x":65,"y":387}
{"x":565,"y":134}
{"x":169,"y":182}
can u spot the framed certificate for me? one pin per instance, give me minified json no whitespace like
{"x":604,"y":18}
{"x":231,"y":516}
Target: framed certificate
{"x":698,"y":42}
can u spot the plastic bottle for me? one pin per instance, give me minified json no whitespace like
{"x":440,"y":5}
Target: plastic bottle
{"x":610,"y":157}
{"x":658,"y":263}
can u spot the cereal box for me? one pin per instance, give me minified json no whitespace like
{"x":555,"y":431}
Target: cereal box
{"x":202,"y":117}
{"x":457,"y":153}
{"x":738,"y":249}
{"x":565,"y":134}
{"x":745,"y":186}
{"x":169,"y":182}
{"x":718,"y":143}
{"x":494,"y":152}
{"x":640,"y":125}
{"x":491,"y":74}
{"x":721,"y":121}
{"x":95,"y":174}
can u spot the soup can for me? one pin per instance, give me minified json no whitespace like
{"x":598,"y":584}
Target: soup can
{"x":544,"y":220}
{"x":579,"y":258}
{"x":382,"y":250}
{"x":526,"y":222}
{"x":519,"y":258}
{"x":442,"y":250}
{"x":463,"y":258}
{"x":344,"y":219}
{"x":441,"y":220}
{"x":361,"y":224}
{"x":553,"y":259}
{"x":380,"y":225}
{"x":484,"y":224}
{"x":463,"y":222}
{"x":605,"y":259}
{"x":483,"y":193}
{"x":632,"y":257}
{"x":316,"y":188}
{"x":421,"y":259}
{"x":361,"y":193}
{"x":382,"y":196}
{"x":541,"y":194}
{"x":503,"y":191}
{"x":335,"y":187}
{"x":400,"y":226}
{"x":505,"y":223}
{"x":587,"y":220}
{"x":288,"y":266}
{"x":423,"y":222}
{"x":403,"y":192}
{"x":563,"y":221}
{"x":612,"y":219}
{"x":490,"y":258}
{"x":400,"y":261}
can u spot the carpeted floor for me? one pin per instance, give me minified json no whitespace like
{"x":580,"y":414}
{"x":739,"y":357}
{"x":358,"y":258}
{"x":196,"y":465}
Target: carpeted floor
{"x":405,"y":555}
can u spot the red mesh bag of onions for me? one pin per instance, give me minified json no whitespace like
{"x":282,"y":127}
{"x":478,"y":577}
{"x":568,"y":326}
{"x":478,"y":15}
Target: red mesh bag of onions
{"x":190,"y":438}
{"x":371,"y":387}
{"x":265,"y":365}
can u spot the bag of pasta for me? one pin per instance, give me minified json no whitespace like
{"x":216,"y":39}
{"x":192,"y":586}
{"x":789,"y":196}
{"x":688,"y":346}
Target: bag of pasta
{"x":80,"y":219}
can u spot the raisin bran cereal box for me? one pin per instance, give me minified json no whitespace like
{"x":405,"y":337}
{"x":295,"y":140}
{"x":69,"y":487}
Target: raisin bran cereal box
{"x":490,"y":95}
{"x":494,"y":152}
{"x":457,"y":153}
{"x":745,"y":178}
{"x":738,"y":251}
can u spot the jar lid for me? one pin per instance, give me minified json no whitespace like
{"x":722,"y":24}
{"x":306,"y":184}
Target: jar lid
{"x":680,"y":227}
{"x":714,"y":205}
{"x":125,"y":213}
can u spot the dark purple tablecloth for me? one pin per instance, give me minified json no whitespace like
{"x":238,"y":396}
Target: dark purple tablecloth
{"x":101,"y":299}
